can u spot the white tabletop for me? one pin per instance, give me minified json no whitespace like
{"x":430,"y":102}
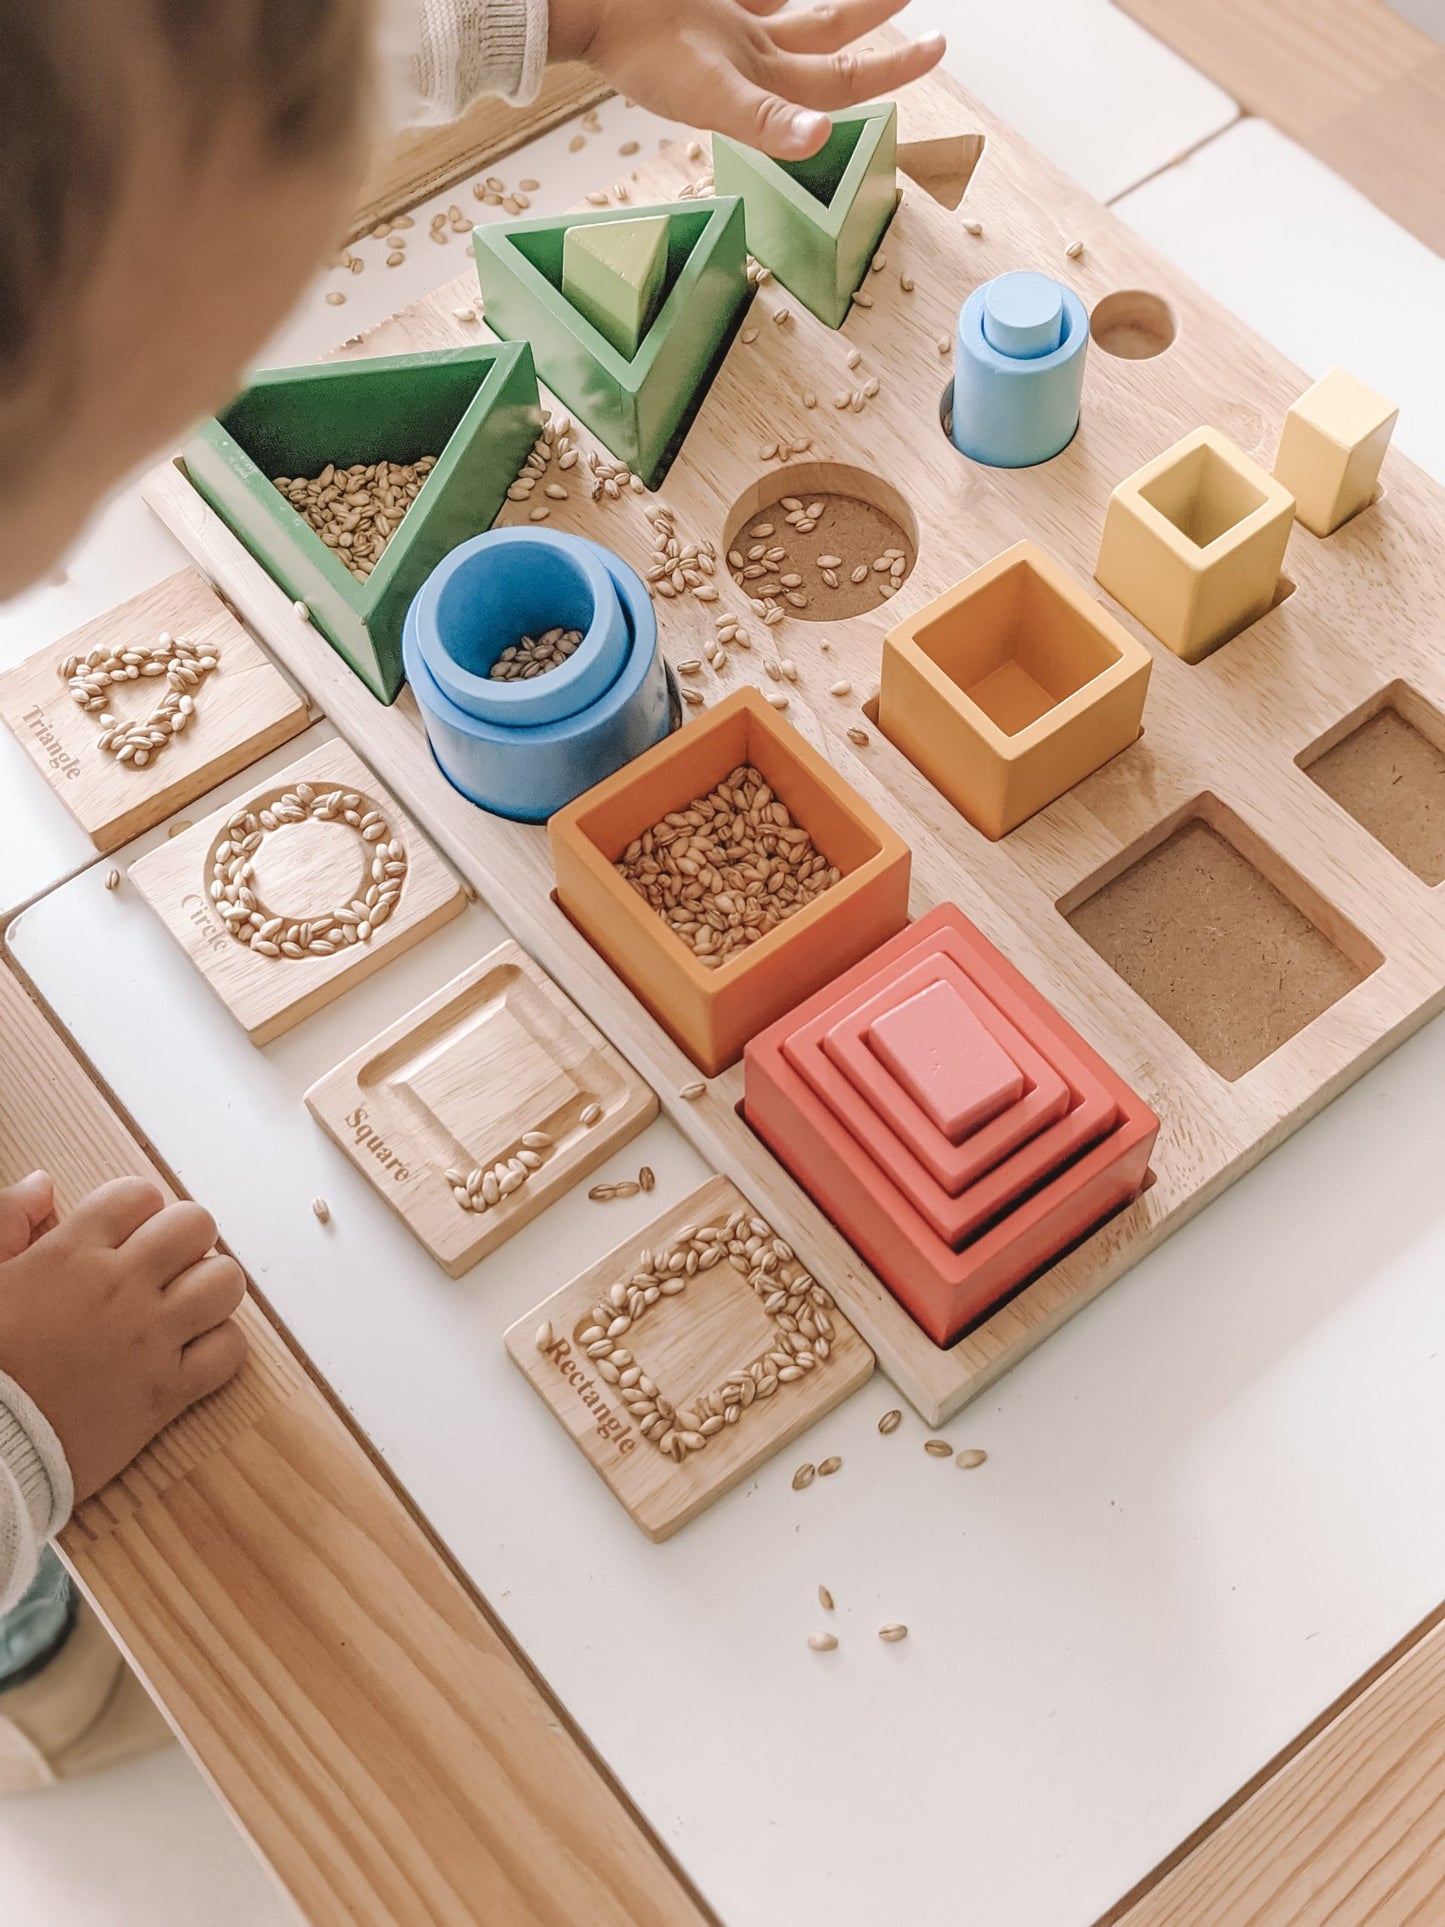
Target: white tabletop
{"x":1207,"y":1501}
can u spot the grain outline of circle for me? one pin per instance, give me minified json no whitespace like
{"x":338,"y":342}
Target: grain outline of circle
{"x":333,"y":930}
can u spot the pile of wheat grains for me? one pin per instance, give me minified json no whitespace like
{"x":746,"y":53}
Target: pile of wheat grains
{"x":356,"y":510}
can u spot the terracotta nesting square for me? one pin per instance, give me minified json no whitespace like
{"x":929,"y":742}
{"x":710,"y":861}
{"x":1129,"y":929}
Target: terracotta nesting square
{"x":955,"y":1215}
{"x":947,"y":1060}
{"x":821,"y":1131}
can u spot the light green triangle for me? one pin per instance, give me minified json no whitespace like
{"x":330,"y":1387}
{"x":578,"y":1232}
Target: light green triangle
{"x":614,"y":274}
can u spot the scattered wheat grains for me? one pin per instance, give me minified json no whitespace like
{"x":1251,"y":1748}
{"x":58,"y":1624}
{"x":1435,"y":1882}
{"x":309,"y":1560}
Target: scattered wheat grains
{"x":825,"y":1599}
{"x":692,"y":1092}
{"x":971,"y":1458}
{"x":804,"y":1477}
{"x":647,"y":1178}
{"x":321,"y":1210}
{"x":823,"y":1642}
{"x":590,"y":1116}
{"x":859,"y":736}
{"x":827,"y":1467}
{"x":938,"y":1448}
{"x":544,"y":1336}
{"x":890,"y":1422}
{"x":1074,"y":250}
{"x":893,"y":1633}
{"x":112,"y":879}
{"x":525,"y":660}
{"x":356,"y":510}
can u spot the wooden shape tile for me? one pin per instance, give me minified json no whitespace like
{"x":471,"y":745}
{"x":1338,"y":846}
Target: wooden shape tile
{"x":242,"y":708}
{"x":325,"y":850}
{"x":496,"y":1058}
{"x":734,"y":1356}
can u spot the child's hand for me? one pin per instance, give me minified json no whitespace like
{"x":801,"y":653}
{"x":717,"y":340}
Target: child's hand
{"x":720,"y":64}
{"x":115,"y":1320}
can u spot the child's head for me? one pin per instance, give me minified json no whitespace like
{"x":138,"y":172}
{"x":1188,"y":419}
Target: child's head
{"x":172,"y":169}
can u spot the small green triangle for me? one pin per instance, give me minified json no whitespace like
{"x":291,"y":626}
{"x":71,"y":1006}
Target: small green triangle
{"x":476,"y":409}
{"x":640,"y":407}
{"x":817,"y":223}
{"x":614,"y":274}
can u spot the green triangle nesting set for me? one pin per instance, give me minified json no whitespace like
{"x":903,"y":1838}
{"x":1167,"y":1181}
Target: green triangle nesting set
{"x":817,"y":223}
{"x":582,"y":288}
{"x":476,"y":409}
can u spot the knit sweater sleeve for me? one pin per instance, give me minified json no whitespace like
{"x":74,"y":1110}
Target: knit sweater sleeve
{"x":441,"y":55}
{"x":36,"y":1493}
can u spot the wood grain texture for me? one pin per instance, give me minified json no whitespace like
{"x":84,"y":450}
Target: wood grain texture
{"x":301,"y":870}
{"x":420,"y":161}
{"x":1347,"y":1829}
{"x":244,"y":708}
{"x":353,"y":1704}
{"x":1367,"y":609}
{"x":458,"y":1082}
{"x":1351,"y":80}
{"x":704,"y":1337}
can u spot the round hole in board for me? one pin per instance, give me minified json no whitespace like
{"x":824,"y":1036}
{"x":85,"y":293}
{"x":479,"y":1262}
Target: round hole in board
{"x":862,"y":516}
{"x":1133,"y":325}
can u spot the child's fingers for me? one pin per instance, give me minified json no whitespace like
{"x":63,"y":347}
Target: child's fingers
{"x":836,"y":24}
{"x":762,"y":6}
{"x":167,"y":1244}
{"x":734,"y":106}
{"x":117,"y":1210}
{"x":844,"y":79}
{"x":203,"y":1297}
{"x":210,"y":1360}
{"x":25,"y":1209}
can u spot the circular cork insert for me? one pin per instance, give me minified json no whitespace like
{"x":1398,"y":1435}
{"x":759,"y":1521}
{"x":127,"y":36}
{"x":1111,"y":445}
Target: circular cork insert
{"x":799,"y":536}
{"x":1133,"y":325}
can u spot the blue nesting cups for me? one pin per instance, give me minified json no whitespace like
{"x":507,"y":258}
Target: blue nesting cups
{"x":523,"y":749}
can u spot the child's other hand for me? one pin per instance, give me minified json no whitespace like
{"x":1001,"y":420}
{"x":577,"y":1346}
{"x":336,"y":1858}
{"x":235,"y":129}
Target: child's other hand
{"x":116,"y":1319}
{"x":742,"y":67}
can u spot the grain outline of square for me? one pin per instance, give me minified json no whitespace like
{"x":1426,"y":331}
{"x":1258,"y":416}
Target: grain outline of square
{"x":392,"y":1153}
{"x":268,"y":995}
{"x":661,"y":1496}
{"x":244,"y":709}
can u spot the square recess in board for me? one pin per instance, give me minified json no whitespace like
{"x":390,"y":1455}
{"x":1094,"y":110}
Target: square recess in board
{"x":242,"y":709}
{"x":708,"y":1336}
{"x":496,"y":1056}
{"x":309,"y":872}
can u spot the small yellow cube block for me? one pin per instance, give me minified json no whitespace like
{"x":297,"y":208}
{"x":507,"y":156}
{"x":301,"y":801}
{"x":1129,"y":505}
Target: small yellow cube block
{"x":1011,"y":687}
{"x":1334,"y":441}
{"x":1193,"y":544}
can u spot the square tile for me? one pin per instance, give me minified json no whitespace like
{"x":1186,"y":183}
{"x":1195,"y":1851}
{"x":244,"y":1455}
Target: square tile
{"x":947,"y":1060}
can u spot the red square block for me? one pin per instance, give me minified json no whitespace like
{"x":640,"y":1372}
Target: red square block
{"x":953,"y":1166}
{"x":945,"y":1290}
{"x":947,"y":1059}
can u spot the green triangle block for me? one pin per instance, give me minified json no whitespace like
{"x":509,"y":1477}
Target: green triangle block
{"x":817,"y":223}
{"x":639,"y":408}
{"x":613,"y":272}
{"x":476,"y":409}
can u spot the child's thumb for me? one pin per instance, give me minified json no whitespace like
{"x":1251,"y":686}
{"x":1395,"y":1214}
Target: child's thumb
{"x":24,"y":1209}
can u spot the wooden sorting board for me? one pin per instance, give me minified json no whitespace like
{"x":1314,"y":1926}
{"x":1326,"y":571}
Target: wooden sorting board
{"x":1221,"y":739}
{"x":457,"y":1083}
{"x":243,"y":709}
{"x":303,"y":869}
{"x":703,"y":1338}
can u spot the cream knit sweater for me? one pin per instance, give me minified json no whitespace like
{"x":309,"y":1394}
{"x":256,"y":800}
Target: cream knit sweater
{"x":437,"y":56}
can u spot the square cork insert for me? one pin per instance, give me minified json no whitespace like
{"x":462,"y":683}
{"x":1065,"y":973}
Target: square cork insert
{"x":719,"y":1383}
{"x":457,"y":1086}
{"x":954,"y":1217}
{"x":947,"y":1060}
{"x":1046,"y":1098}
{"x":1385,"y":766}
{"x":241,"y":710}
{"x":302,"y":853}
{"x":1232,"y":947}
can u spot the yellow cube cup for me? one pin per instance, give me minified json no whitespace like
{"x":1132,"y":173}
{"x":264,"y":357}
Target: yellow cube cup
{"x":1011,"y":688}
{"x":1331,"y":448}
{"x":1193,"y":543}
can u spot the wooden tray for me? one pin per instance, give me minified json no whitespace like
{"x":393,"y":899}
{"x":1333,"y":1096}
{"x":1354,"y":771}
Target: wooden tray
{"x":1222,"y":742}
{"x":496,"y":1055}
{"x":700,"y":1341}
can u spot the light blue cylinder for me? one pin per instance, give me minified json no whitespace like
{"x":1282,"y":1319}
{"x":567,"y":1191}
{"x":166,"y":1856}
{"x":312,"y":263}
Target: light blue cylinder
{"x":522,"y":749}
{"x":1019,"y":371}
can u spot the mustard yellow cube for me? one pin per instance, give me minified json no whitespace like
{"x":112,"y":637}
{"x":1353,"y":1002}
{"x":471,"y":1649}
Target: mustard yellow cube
{"x":1331,"y":448}
{"x":1193,"y":544}
{"x":1011,"y":687}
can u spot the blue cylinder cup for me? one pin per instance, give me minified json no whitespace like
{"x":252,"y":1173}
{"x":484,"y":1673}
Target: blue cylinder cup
{"x":1019,"y":372}
{"x":523,"y":749}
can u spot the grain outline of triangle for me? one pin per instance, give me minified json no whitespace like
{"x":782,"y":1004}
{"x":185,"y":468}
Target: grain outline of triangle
{"x":639,"y":409}
{"x":819,"y":250}
{"x":479,"y":403}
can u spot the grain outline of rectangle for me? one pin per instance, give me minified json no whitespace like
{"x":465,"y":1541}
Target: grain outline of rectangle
{"x":660,"y":1495}
{"x":455,"y":1237}
{"x":244,"y":708}
{"x":268,"y":995}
